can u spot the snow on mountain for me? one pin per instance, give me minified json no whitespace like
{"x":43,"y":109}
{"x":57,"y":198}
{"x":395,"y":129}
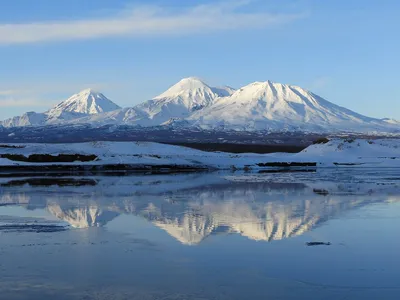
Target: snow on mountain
{"x":129,"y":115}
{"x":224,"y":91}
{"x":87,"y":102}
{"x":191,"y":102}
{"x":179,"y":101}
{"x":27,"y":119}
{"x":268,"y":105}
{"x":391,"y":121}
{"x":192,"y":93}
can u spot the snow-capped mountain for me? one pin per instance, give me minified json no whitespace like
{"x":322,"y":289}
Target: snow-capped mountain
{"x":265,"y":106}
{"x":27,"y":119}
{"x":87,"y":102}
{"x":177,"y":103}
{"x":191,"y":93}
{"x":182,"y":99}
{"x":276,"y":106}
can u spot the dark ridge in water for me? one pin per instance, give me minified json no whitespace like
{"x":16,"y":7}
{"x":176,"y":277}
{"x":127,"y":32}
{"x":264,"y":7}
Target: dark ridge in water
{"x":11,"y":146}
{"x":47,"y":158}
{"x":287,"y":171}
{"x":321,"y":192}
{"x":50,"y":182}
{"x":35,"y":228}
{"x":311,"y":244}
{"x":288,"y":164}
{"x":9,"y":171}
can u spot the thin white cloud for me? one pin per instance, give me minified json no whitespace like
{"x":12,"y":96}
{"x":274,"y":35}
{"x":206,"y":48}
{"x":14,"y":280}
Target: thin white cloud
{"x":320,"y":83}
{"x":4,"y":93}
{"x":14,"y":102}
{"x":42,"y":95}
{"x":144,"y":21}
{"x":17,"y":98}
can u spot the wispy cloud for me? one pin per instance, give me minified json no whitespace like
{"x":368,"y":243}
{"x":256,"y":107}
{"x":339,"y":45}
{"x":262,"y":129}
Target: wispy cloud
{"x":4,"y":93}
{"x":144,"y":21}
{"x":42,"y":96}
{"x":320,"y":83}
{"x":17,"y":98}
{"x":15,"y":102}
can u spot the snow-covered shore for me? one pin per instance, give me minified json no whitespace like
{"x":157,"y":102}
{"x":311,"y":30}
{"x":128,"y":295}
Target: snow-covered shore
{"x":335,"y":153}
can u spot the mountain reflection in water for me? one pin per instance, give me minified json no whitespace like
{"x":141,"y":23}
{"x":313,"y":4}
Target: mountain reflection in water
{"x":193,"y":207}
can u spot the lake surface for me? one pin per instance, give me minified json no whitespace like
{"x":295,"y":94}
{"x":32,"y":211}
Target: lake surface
{"x":202,"y":236}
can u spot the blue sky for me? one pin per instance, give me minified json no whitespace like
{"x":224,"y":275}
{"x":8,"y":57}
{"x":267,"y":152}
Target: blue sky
{"x":347,"y":51}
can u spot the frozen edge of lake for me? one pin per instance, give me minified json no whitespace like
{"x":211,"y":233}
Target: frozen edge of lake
{"x":156,"y":157}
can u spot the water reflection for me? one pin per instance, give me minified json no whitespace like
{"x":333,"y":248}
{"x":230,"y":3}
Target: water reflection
{"x":140,"y":252}
{"x":191,"y":208}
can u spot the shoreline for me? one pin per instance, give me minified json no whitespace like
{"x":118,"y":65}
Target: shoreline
{"x":144,"y":157}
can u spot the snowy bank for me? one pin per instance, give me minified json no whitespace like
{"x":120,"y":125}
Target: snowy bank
{"x":145,"y":155}
{"x":361,"y":152}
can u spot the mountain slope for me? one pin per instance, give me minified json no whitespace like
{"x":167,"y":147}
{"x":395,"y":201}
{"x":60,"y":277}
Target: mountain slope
{"x":87,"y":102}
{"x":27,"y":119}
{"x":179,"y":101}
{"x":129,"y":115}
{"x":264,"y":106}
{"x":391,"y":121}
{"x":275,"y":106}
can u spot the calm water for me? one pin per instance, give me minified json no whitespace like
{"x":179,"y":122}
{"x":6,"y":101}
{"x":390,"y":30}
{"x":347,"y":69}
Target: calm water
{"x":202,"y":236}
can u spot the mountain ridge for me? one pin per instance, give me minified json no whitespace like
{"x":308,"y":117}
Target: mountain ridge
{"x":87,"y":101}
{"x":281,"y":105}
{"x":258,"y":106}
